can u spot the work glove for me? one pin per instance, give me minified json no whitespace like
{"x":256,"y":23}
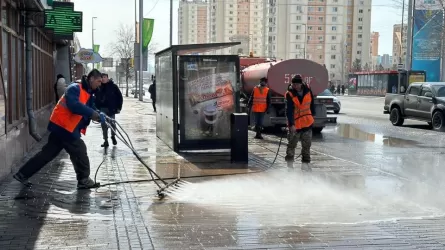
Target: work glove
{"x":102,"y":117}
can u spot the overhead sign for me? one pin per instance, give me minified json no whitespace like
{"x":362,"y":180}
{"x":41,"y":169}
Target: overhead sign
{"x":107,"y":62}
{"x":63,"y":20}
{"x":87,"y":56}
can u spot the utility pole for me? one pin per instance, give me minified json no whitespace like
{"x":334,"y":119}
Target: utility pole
{"x":134,"y":56}
{"x":171,"y":23}
{"x":401,"y":32}
{"x":92,"y":37}
{"x":409,"y":35}
{"x":141,"y":57}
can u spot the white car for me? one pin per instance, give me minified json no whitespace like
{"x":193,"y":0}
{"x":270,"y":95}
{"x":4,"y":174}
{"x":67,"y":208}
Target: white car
{"x":329,"y":100}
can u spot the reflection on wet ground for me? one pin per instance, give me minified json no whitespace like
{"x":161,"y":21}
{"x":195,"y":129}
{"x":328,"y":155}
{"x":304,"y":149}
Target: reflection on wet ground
{"x":352,"y":132}
{"x":339,"y":205}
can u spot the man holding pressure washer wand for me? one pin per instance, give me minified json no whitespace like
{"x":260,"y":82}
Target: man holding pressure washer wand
{"x":69,"y":119}
{"x":300,"y":110}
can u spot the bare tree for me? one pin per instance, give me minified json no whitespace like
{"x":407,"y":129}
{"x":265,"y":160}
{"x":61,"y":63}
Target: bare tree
{"x":343,"y":62}
{"x":123,"y":48}
{"x":357,"y":65}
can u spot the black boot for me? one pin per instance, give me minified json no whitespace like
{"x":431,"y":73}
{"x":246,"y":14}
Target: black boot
{"x":258,"y":133}
{"x":113,"y":139}
{"x":105,"y":144}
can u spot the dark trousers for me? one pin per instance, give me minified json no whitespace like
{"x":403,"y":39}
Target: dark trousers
{"x":259,"y":118}
{"x":76,"y":149}
{"x":153,"y":102}
{"x":105,"y":126}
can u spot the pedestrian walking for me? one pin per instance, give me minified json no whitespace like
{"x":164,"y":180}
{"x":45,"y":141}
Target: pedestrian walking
{"x":343,"y":89}
{"x":109,"y":100}
{"x":259,"y":103}
{"x":300,"y":110}
{"x":152,"y":91}
{"x":60,"y":87}
{"x":69,"y":119}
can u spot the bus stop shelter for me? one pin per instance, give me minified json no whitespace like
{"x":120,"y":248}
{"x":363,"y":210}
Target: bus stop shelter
{"x":195,"y":96}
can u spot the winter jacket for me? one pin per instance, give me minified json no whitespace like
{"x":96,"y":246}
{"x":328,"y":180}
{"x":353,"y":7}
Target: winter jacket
{"x":152,"y":91}
{"x":109,"y":97}
{"x":72,"y":102}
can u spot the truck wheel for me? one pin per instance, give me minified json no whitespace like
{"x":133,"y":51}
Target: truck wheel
{"x":438,"y":121}
{"x":396,"y":117}
{"x":337,"y":111}
{"x":317,"y":130}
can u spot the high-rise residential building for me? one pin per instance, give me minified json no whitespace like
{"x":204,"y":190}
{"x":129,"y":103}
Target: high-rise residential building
{"x":238,"y":21}
{"x":399,"y":44}
{"x":386,"y":61}
{"x":374,"y":44}
{"x":334,"y":33}
{"x":192,"y":21}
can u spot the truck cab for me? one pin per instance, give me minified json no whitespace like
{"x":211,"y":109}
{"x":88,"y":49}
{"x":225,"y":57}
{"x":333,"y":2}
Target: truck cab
{"x":422,"y":101}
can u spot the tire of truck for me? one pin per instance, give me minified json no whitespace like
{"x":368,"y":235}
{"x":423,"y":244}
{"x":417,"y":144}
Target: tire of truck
{"x":337,"y":111}
{"x":395,"y":117}
{"x":438,"y":121}
{"x":317,"y":130}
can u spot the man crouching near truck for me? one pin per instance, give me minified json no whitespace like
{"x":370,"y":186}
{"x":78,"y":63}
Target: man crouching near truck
{"x":259,"y":103}
{"x":300,"y":110}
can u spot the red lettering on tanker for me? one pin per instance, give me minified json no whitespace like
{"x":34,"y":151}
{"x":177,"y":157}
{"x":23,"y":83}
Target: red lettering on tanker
{"x":307,"y":79}
{"x":215,"y":86}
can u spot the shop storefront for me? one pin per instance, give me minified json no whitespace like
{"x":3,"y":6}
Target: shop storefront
{"x":16,"y":25}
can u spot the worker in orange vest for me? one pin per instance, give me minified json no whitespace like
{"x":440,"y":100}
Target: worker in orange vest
{"x":69,"y":119}
{"x":300,"y":110}
{"x":259,"y":103}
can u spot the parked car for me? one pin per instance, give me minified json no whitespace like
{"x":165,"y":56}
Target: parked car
{"x":422,"y":101}
{"x":134,"y":90}
{"x":331,"y":102}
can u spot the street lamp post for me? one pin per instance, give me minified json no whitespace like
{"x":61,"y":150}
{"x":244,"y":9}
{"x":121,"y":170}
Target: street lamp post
{"x":92,"y":37}
{"x":134,"y":56}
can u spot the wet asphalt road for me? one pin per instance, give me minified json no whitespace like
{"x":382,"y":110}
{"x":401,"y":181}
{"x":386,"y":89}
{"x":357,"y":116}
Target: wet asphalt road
{"x":373,"y":186}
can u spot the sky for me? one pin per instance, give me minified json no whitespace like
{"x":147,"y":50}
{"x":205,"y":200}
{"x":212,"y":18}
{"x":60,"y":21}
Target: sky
{"x":112,"y":13}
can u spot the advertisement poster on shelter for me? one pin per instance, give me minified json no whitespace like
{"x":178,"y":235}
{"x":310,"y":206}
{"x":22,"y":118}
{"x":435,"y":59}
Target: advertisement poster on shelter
{"x":210,"y":99}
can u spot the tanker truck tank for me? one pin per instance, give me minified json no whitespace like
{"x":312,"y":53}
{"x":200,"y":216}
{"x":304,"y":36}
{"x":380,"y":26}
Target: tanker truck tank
{"x":279,"y":76}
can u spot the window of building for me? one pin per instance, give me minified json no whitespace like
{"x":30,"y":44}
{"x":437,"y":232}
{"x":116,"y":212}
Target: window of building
{"x":298,"y":18}
{"x":332,"y":66}
{"x":333,"y":47}
{"x":360,"y":19}
{"x":334,"y":28}
{"x":333,"y":57}
{"x":334,"y":9}
{"x":360,"y":27}
{"x":359,"y":35}
{"x":297,"y":37}
{"x":360,"y":11}
{"x":333,"y":38}
{"x":320,"y":28}
{"x":334,"y":19}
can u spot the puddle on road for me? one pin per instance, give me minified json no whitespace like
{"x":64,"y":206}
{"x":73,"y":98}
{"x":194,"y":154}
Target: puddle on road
{"x":351,"y":132}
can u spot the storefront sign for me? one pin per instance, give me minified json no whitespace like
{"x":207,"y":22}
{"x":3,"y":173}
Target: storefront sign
{"x":63,"y":20}
{"x":87,"y":56}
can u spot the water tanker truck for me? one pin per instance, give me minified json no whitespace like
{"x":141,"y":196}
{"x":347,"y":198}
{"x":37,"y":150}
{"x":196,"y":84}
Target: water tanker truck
{"x":279,"y":75}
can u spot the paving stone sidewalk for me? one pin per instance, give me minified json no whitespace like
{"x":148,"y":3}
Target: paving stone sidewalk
{"x":335,"y":207}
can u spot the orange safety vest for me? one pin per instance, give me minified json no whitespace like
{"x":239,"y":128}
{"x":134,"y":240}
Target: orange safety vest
{"x":64,"y":118}
{"x":260,"y":100}
{"x":302,"y":111}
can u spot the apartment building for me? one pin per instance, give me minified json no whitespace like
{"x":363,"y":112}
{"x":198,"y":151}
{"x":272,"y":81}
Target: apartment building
{"x":238,"y":21}
{"x":192,"y":21}
{"x":398,"y":44}
{"x":330,"y":32}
